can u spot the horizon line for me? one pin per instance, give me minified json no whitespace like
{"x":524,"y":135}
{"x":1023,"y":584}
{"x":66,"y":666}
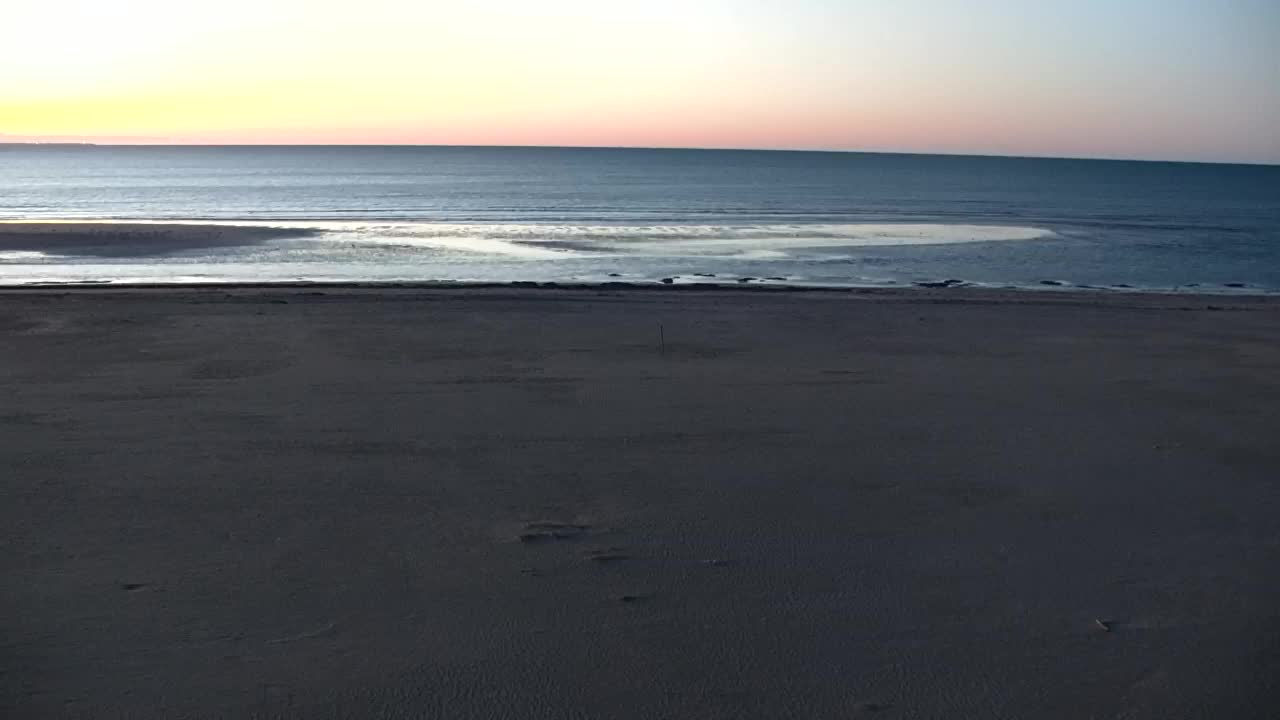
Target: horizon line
{"x":156,"y":144}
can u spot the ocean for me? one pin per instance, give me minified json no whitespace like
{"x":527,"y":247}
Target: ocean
{"x":495,"y":214}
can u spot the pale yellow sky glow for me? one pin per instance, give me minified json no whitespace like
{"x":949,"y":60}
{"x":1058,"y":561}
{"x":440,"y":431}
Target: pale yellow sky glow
{"x":944,"y":76}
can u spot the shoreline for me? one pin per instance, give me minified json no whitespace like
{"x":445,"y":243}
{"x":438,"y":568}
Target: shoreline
{"x":951,"y":294}
{"x":39,"y":244}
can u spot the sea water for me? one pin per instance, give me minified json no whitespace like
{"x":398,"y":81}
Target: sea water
{"x":475,"y":214}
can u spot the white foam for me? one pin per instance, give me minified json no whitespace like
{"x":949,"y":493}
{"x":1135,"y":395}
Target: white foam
{"x":757,"y":241}
{"x":22,"y":255}
{"x":459,"y":238}
{"x":545,"y":241}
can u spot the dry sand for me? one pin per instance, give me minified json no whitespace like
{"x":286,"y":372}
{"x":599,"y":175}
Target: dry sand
{"x":509,"y":503}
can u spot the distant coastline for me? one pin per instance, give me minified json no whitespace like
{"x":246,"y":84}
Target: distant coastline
{"x":25,"y":145}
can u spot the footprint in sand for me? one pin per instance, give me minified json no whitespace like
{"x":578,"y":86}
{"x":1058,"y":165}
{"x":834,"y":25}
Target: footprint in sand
{"x":541,"y":532}
{"x":608,"y":556}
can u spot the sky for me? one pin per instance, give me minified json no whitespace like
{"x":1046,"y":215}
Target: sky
{"x":1148,"y":79}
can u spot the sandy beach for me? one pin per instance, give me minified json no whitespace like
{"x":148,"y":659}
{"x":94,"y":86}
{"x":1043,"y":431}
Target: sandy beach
{"x":356,"y":502}
{"x":132,"y":239}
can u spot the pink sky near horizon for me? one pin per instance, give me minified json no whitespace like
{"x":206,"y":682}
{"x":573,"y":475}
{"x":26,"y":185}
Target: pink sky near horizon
{"x":837,"y":134}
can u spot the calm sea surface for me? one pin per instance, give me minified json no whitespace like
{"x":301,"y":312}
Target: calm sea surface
{"x":499,"y":214}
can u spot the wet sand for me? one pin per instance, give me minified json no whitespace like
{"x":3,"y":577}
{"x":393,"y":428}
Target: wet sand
{"x":129,"y":240}
{"x":379,"y":502}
